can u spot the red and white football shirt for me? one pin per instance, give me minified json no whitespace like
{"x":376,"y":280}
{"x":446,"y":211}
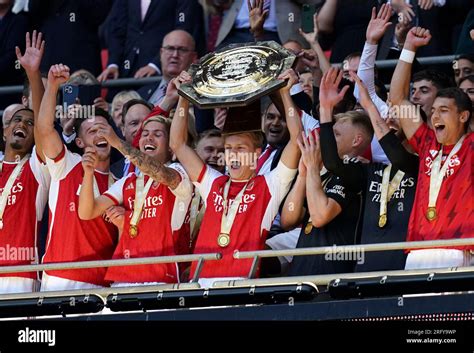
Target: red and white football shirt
{"x":455,"y":203}
{"x":162,"y":216}
{"x":22,"y":214}
{"x":259,"y":206}
{"x":69,"y":237}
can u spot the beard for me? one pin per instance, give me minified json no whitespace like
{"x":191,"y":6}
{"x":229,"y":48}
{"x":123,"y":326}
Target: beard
{"x":16,"y":146}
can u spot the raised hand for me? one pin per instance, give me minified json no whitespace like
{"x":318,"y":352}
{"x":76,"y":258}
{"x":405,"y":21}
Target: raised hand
{"x":329,"y":94}
{"x":404,"y":10}
{"x":309,"y":58}
{"x":378,"y":24}
{"x":292,"y":78}
{"x":257,"y":17}
{"x":417,"y":37}
{"x":58,"y":74}
{"x":311,"y":37}
{"x":89,"y":160}
{"x":34,"y":50}
{"x":364,"y":99}
{"x":302,"y":171}
{"x":310,"y":150}
{"x":106,"y":131}
{"x":100,"y":102}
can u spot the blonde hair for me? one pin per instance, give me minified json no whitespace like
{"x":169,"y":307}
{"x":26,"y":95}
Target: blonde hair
{"x":160,"y":119}
{"x":124,"y":96}
{"x":255,"y":136}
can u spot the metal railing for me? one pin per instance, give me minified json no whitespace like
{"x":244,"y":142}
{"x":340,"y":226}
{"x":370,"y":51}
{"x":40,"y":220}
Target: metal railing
{"x":426,"y":244}
{"x":112,"y":263}
{"x":324,"y":280}
{"x":132,"y":82}
{"x":120,"y":82}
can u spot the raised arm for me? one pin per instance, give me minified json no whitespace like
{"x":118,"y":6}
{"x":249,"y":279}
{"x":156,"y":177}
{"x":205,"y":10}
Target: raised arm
{"x":47,"y":137}
{"x":293,"y":210}
{"x":326,"y":16}
{"x":329,"y":97}
{"x":322,"y":209}
{"x":400,"y":85}
{"x":147,"y":165}
{"x":379,"y":125}
{"x":89,"y":206}
{"x":291,"y":152}
{"x":30,"y":61}
{"x":391,"y":145}
{"x":375,"y":30}
{"x":312,"y":39}
{"x":190,"y":160}
{"x":257,"y":17}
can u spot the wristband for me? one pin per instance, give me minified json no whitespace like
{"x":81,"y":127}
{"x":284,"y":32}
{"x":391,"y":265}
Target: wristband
{"x":407,"y":56}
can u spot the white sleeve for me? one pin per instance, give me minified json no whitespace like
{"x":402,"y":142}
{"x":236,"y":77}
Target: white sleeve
{"x":62,"y":164}
{"x":205,"y":182}
{"x":185,"y":188}
{"x":43,"y":178}
{"x":40,"y":170}
{"x":296,"y":88}
{"x":279,"y":182}
{"x":115,"y":191}
{"x":367,"y":75}
{"x":309,"y":123}
{"x":378,"y":154}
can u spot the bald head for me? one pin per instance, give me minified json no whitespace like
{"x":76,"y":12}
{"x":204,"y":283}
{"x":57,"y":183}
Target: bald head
{"x":10,"y":111}
{"x":177,"y":53}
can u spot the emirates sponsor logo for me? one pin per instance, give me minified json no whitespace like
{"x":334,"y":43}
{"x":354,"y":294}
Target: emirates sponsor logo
{"x":17,"y":188}
{"x":218,"y":202}
{"x":453,"y":163}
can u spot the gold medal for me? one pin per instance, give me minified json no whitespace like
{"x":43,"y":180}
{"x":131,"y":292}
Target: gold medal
{"x":382,"y":220}
{"x":133,"y":231}
{"x":223,"y":240}
{"x":431,"y":213}
{"x":308,"y":228}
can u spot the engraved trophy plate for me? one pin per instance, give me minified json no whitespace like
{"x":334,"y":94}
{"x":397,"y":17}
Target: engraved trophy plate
{"x":237,"y":75}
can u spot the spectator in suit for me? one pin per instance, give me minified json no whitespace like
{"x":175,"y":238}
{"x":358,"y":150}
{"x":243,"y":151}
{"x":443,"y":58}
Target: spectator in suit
{"x":73,"y":26}
{"x":137,"y":28}
{"x":12,"y":33}
{"x":177,"y":53}
{"x":283,"y":19}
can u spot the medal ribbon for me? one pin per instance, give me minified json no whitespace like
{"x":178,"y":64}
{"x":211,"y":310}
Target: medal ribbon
{"x":229,"y":213}
{"x":437,"y":173}
{"x":388,"y":188}
{"x":140,"y":195}
{"x":8,"y":186}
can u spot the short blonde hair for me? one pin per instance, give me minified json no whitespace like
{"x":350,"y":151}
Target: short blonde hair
{"x":255,"y":136}
{"x":160,"y":119}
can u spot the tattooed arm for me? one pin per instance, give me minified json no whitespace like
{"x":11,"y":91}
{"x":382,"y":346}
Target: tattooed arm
{"x":148,"y":165}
